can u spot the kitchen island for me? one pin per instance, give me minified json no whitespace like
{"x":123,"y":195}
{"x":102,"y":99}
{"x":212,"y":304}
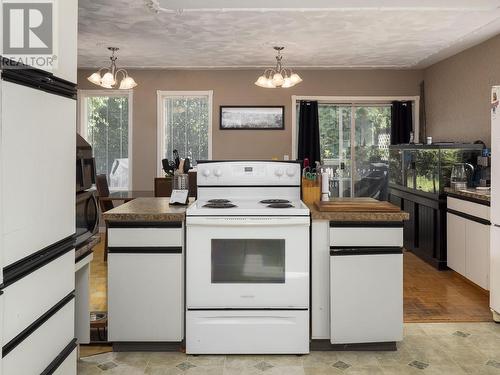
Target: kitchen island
{"x":356,"y":279}
{"x":146,"y":309}
{"x":146,"y":275}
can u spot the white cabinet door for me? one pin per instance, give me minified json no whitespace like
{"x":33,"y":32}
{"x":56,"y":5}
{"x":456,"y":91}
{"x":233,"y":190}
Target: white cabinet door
{"x":495,"y":269}
{"x":477,"y":253}
{"x":320,"y":280}
{"x":145,"y":300}
{"x":495,"y":163}
{"x":38,"y":170}
{"x":456,"y":245}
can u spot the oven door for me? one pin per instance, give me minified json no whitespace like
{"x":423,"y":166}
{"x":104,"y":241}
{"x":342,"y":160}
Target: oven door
{"x":247,"y":262}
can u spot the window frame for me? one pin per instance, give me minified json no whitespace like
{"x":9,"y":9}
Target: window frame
{"x":82,"y":123}
{"x":350,"y":101}
{"x":160,"y":126}
{"x":353,"y":102}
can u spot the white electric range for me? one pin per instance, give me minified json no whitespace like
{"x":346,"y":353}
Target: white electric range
{"x":247,"y":260}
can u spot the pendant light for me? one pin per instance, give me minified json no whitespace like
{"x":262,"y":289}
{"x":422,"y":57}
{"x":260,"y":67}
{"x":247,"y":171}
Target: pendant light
{"x":110,"y":79}
{"x":278,"y":76}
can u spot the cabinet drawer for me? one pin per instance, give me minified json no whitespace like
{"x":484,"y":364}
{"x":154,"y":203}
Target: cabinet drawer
{"x":28,"y":298}
{"x":470,"y":208}
{"x":366,"y":236}
{"x":145,"y":237}
{"x":36,"y":351}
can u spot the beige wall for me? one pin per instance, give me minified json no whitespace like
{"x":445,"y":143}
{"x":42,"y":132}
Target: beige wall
{"x":457,"y":93}
{"x":235,"y":87}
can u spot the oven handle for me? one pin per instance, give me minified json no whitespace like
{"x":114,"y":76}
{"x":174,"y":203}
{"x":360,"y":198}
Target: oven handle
{"x":281,"y":221}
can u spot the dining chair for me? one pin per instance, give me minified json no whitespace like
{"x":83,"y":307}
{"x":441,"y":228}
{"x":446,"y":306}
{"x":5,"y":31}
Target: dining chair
{"x":101,"y":183}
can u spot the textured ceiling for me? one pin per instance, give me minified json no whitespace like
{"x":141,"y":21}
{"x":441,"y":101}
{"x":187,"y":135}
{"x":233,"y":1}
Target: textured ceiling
{"x":390,"y":35}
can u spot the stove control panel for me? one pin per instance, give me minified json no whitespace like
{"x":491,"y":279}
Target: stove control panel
{"x":249,"y":173}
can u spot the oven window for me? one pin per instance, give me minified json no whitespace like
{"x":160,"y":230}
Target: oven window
{"x":248,"y":261}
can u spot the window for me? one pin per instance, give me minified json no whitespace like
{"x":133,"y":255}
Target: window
{"x":105,"y":122}
{"x":185,"y":125}
{"x":354,"y":145}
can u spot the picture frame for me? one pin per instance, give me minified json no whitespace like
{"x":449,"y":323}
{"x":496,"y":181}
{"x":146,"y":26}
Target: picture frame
{"x":243,"y":117}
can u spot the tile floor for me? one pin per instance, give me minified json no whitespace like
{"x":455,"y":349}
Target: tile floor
{"x":428,"y":348}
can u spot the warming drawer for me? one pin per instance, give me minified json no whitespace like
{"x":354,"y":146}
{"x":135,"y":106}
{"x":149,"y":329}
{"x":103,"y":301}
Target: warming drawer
{"x":247,"y":332}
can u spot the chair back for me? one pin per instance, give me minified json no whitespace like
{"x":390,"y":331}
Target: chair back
{"x":101,"y":183}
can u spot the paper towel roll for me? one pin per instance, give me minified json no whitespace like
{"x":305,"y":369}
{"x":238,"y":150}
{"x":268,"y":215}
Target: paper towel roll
{"x":325,"y":186}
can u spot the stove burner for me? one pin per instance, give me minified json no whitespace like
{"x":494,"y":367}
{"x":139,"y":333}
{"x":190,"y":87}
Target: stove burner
{"x":219,"y":201}
{"x":219,"y":205}
{"x":280,"y":205}
{"x":272,"y":201}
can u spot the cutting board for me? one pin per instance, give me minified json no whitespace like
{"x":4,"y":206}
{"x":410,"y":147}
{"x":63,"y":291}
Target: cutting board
{"x":356,"y":205}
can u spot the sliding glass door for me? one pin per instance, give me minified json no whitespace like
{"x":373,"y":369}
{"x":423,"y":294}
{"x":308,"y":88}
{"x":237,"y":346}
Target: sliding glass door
{"x":335,"y":145}
{"x":354,"y":143}
{"x":372,"y":137}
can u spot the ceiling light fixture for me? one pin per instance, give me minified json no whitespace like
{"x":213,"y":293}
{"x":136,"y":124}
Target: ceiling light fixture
{"x":278,"y":76}
{"x":109,"y":79}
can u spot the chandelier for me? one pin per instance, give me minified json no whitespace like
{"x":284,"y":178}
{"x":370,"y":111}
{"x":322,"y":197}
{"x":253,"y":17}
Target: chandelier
{"x":278,"y":76}
{"x":109,"y":79}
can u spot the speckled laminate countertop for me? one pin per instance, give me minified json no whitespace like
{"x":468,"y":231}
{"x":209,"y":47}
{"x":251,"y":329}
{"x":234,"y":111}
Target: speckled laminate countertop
{"x":480,"y":195}
{"x":357,"y":216}
{"x":148,"y":210}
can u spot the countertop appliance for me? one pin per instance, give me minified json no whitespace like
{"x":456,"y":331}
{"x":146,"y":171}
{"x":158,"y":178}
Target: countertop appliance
{"x":461,"y":175}
{"x":482,"y":176}
{"x":495,"y":206}
{"x":87,"y":209}
{"x":85,"y":164}
{"x":247,"y":260}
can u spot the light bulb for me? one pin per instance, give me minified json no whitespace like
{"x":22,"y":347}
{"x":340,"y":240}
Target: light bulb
{"x":107,"y":80}
{"x":287,"y":83}
{"x":277,"y":79}
{"x":270,"y":84}
{"x":95,"y":78}
{"x":261,"y":81}
{"x":295,"y":78}
{"x":127,"y":83}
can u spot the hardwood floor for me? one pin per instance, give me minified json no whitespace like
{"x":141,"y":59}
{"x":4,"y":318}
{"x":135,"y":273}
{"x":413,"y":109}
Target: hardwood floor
{"x":441,"y":296}
{"x":98,"y":279}
{"x":429,"y":295}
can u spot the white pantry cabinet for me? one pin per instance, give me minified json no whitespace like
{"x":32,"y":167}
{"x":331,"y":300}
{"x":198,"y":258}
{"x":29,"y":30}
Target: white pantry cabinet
{"x":468,"y":240}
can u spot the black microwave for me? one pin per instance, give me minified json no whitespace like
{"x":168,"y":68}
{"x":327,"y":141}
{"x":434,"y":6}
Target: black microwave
{"x":87,"y":217}
{"x":85,"y":165}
